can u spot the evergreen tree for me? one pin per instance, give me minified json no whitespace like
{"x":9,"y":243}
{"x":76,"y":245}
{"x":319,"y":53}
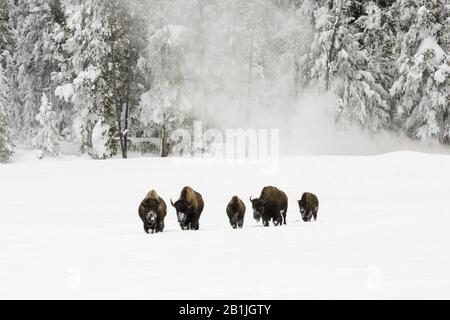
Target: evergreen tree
{"x":423,"y":87}
{"x":37,"y":55}
{"x":124,"y":38}
{"x":104,"y":77}
{"x":6,"y":146}
{"x":86,"y":51}
{"x":339,"y":63}
{"x":47,"y":137}
{"x":358,"y":72}
{"x":6,"y":37}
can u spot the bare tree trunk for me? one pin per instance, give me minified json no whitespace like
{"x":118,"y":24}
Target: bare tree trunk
{"x":296,"y":79}
{"x":332,"y":50}
{"x":127,"y":108}
{"x":164,"y":151}
{"x":115,"y":91}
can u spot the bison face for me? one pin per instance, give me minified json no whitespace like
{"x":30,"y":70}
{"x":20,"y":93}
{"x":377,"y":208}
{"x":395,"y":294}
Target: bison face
{"x":151,"y":217}
{"x":234,"y":220}
{"x":183,"y":209}
{"x":306,"y":216}
{"x":182,"y":217}
{"x":258,"y":208}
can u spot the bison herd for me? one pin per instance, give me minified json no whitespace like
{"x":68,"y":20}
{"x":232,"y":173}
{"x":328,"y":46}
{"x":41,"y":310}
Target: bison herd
{"x":272,"y":205}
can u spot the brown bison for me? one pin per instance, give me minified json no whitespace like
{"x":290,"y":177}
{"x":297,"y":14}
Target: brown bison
{"x":309,"y":206}
{"x":236,"y":212}
{"x":189,"y":208}
{"x":152,"y":212}
{"x":271,"y":205}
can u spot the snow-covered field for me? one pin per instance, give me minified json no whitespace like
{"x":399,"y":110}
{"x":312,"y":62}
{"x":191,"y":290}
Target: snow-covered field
{"x":70,"y":229}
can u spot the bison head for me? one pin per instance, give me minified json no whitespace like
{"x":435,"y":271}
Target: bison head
{"x":306,"y":216}
{"x":151,"y":208}
{"x":151,"y":218}
{"x":258,"y":208}
{"x":183,"y":208}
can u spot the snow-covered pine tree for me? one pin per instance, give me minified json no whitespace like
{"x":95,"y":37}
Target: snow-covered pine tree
{"x":125,"y":39}
{"x":308,"y":52}
{"x":6,"y":36}
{"x":6,"y":146}
{"x":47,"y":137}
{"x":84,"y":88}
{"x":7,"y":46}
{"x":104,"y":78}
{"x":165,"y":105}
{"x":378,"y":41}
{"x":340,"y":64}
{"x":423,"y":88}
{"x":36,"y":56}
{"x":356,"y":71}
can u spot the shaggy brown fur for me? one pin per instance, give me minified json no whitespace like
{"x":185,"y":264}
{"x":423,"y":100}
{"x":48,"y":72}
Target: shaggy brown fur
{"x":271,"y":205}
{"x":309,"y":207}
{"x":152,"y":211}
{"x":236,"y":212}
{"x":189,"y":208}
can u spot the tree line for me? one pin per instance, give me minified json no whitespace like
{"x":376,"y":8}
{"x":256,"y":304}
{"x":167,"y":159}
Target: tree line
{"x":114,"y":76}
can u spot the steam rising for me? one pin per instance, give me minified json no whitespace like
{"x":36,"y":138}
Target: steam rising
{"x":227,"y":93}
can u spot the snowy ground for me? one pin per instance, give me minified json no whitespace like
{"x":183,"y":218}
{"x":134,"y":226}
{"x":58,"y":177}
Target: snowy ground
{"x":70,"y":229}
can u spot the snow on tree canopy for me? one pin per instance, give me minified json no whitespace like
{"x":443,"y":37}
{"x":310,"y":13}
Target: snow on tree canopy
{"x":65,"y":92}
{"x":430,"y":44}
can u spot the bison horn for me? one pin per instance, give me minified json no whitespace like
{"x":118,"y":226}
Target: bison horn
{"x":171,"y":202}
{"x":251,"y":200}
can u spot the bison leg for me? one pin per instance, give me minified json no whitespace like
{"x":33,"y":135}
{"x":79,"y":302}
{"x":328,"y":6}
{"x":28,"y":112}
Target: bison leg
{"x":280,"y":221}
{"x":241,"y":224}
{"x":160,"y":227}
{"x":195,"y":226}
{"x":315,"y":215}
{"x":146,"y":228}
{"x":266,"y":223}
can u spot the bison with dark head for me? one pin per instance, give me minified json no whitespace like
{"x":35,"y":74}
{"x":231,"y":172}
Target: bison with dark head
{"x":152,"y":212}
{"x":236,"y":212}
{"x":309,"y":207}
{"x":189,"y":207}
{"x":271,"y":205}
